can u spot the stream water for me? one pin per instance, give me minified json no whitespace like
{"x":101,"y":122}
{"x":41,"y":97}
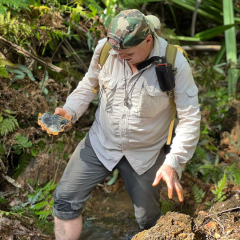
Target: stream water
{"x":92,"y":230}
{"x":109,"y":213}
{"x":109,"y":216}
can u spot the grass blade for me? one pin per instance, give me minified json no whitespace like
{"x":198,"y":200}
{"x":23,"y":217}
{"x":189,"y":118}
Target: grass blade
{"x":220,"y":54}
{"x":213,"y":32}
{"x":231,"y":47}
{"x":174,"y":18}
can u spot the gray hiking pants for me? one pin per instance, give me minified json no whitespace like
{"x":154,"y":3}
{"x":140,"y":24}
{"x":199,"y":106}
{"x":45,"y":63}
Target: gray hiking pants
{"x":84,"y":171}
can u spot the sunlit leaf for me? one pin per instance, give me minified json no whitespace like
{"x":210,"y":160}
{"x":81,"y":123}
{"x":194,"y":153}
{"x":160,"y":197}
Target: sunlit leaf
{"x":213,"y":32}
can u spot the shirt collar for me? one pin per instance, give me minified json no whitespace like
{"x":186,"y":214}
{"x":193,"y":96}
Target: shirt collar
{"x":112,"y":52}
{"x":156,"y":48}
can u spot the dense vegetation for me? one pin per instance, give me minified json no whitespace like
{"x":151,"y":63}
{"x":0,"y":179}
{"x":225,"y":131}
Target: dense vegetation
{"x":46,"y":47}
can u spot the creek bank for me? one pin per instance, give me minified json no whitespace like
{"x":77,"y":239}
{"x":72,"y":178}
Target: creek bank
{"x":221,"y":222}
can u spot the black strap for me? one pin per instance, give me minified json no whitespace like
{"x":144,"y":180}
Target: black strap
{"x":149,"y":61}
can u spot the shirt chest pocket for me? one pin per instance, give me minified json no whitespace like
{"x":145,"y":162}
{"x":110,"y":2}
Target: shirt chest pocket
{"x":107,"y":90}
{"x":152,"y":102}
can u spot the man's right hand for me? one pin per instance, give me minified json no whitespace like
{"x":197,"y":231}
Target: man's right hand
{"x":64,"y":113}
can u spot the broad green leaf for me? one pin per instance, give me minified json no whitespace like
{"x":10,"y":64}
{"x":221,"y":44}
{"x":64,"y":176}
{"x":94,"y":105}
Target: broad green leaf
{"x":192,"y":39}
{"x":38,"y":36}
{"x":213,"y":32}
{"x":93,"y":9}
{"x":231,"y":47}
{"x":3,"y":72}
{"x":174,"y":18}
{"x":3,"y":10}
{"x":89,"y":40}
{"x":220,"y":54}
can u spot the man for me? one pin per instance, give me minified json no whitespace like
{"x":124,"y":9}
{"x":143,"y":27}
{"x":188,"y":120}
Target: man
{"x":131,"y":125}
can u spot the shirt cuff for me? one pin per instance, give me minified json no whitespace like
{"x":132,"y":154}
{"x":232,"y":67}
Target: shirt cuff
{"x":173,"y":162}
{"x":72,"y":112}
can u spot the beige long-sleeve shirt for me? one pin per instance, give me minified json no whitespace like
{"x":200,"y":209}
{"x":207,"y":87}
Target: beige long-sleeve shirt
{"x":138,"y":130}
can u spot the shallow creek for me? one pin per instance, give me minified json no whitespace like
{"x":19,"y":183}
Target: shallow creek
{"x":109,"y":215}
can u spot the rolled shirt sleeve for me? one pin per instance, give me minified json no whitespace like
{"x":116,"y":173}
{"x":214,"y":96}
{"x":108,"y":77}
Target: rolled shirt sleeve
{"x":79,"y":100}
{"x":139,"y":132}
{"x":188,"y":113}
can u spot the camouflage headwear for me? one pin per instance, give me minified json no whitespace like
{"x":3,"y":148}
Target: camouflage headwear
{"x":130,"y":27}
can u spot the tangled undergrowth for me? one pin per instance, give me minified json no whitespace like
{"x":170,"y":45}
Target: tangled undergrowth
{"x":31,"y":162}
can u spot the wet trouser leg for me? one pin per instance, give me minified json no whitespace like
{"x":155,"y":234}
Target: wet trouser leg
{"x":83,"y":172}
{"x":144,"y":196}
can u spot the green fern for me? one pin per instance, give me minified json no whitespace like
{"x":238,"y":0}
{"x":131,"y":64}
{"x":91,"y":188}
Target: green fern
{"x":47,"y":203}
{"x":166,"y":206}
{"x":22,"y":143}
{"x":198,"y":194}
{"x":35,"y":205}
{"x":22,"y":164}
{"x":39,"y":205}
{"x":43,"y":214}
{"x":49,"y":187}
{"x":3,"y":72}
{"x":13,"y":28}
{"x":202,"y":164}
{"x":16,"y":4}
{"x":8,"y":124}
{"x":233,"y":173}
{"x":35,"y":198}
{"x":220,"y":186}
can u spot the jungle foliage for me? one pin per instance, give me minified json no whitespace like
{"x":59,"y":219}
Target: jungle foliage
{"x":64,"y":34}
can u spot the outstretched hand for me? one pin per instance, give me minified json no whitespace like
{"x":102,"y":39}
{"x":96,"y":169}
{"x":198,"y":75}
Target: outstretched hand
{"x":169,"y":175}
{"x":64,"y":113}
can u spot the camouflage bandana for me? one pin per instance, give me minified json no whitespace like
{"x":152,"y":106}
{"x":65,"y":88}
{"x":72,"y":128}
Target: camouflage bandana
{"x":130,"y":27}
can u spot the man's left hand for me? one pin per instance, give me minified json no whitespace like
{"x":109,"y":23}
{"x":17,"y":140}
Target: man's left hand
{"x":169,"y":175}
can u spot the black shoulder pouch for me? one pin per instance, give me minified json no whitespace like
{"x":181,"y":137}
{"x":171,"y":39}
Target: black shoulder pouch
{"x":164,"y":72}
{"x":165,"y":75}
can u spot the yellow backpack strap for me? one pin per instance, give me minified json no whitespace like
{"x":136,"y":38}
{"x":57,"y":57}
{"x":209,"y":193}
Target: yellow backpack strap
{"x":174,"y":111}
{"x":102,"y":59}
{"x":171,"y":53}
{"x":184,"y":53}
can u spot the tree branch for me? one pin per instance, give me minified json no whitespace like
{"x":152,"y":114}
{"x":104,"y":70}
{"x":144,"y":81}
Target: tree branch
{"x":28,"y":54}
